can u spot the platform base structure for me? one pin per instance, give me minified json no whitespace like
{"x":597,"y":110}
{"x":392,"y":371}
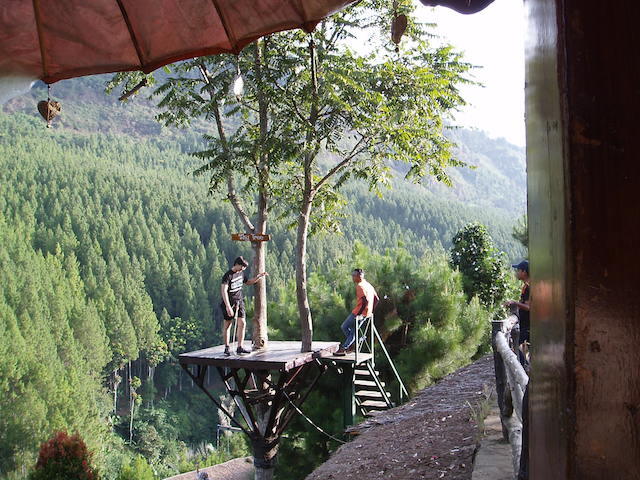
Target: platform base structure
{"x":267,"y":388}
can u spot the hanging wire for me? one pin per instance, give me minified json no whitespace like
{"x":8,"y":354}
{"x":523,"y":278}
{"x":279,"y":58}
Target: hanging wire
{"x":311,"y":421}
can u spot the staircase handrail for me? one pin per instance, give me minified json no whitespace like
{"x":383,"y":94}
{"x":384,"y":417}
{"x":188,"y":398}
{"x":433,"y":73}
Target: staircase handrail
{"x":403,"y":390}
{"x":511,"y":379}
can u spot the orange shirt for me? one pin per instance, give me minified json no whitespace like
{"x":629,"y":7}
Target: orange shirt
{"x":365,"y":290}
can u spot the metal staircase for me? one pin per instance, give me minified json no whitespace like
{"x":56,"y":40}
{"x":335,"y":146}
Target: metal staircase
{"x":363,"y":388}
{"x":369,"y":391}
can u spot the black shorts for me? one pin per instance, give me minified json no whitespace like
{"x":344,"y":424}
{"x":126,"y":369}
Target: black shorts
{"x":525,"y":325}
{"x":241,"y":311}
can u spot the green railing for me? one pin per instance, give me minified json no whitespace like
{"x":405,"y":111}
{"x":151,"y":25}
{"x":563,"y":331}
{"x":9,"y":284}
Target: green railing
{"x":366,"y":337}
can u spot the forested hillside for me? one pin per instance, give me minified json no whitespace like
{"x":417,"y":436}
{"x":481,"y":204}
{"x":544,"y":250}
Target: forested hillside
{"x":111,"y":254}
{"x":492,"y":190}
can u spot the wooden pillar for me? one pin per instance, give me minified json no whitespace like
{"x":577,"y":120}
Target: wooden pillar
{"x":583,"y":149}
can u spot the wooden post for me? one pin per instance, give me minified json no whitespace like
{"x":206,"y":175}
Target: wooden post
{"x":584,"y":229}
{"x":348,"y":394}
{"x":501,"y":376}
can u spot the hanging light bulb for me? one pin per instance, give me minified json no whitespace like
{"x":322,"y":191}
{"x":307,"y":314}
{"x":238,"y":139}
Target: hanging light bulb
{"x":238,"y":83}
{"x":238,"y":86}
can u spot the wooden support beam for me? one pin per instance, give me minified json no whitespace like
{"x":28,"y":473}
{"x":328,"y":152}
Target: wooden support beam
{"x":216,"y":402}
{"x":265,"y":387}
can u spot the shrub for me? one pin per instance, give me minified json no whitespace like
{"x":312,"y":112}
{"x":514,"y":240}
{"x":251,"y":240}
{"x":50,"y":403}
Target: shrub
{"x":64,"y":457}
{"x":138,"y":469}
{"x":481,"y":265}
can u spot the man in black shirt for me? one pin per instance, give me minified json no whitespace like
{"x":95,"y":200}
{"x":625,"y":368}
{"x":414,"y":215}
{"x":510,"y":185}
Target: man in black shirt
{"x":522,"y":272}
{"x":233,"y":301}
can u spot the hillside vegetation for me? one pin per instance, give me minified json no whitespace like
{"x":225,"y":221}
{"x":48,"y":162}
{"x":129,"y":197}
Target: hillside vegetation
{"x":111,"y":254}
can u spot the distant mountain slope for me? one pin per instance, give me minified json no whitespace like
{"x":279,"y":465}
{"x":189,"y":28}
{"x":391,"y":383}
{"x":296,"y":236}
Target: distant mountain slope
{"x":493,"y":192}
{"x":498,"y":178}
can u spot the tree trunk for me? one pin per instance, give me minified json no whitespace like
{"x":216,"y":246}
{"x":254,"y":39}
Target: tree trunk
{"x":306,"y":325}
{"x":116,"y":383}
{"x":264,"y":473}
{"x":265,"y":445}
{"x":131,"y":421}
{"x":260,"y":336}
{"x":311,"y":147}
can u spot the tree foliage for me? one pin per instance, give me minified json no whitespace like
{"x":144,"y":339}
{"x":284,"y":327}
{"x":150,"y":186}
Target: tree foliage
{"x":311,"y":97}
{"x":427,"y":324}
{"x":64,"y":457}
{"x":520,"y":231}
{"x":110,"y":262}
{"x":481,"y":264}
{"x":137,"y":469}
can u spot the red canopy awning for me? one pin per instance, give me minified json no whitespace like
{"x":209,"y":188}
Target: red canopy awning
{"x":460,"y":6}
{"x":57,"y":39}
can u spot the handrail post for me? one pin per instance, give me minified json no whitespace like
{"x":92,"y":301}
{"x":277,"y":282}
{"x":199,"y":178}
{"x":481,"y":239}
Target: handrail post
{"x":357,"y":338}
{"x":372,"y":325}
{"x":403,"y":389}
{"x":509,"y":375}
{"x":501,"y":375}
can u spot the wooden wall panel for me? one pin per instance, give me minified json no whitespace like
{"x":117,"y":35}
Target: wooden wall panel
{"x":583,"y":100}
{"x":551,"y":388}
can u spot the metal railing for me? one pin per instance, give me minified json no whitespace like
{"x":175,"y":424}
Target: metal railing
{"x":366,"y":337}
{"x":511,"y":381}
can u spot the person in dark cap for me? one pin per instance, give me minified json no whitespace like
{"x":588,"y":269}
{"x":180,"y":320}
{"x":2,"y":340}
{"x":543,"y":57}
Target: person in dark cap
{"x":522,"y":273}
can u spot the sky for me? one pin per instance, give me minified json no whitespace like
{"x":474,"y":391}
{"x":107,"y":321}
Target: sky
{"x":493,"y":40}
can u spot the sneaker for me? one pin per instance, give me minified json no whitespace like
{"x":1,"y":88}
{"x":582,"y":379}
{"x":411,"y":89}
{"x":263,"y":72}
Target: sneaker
{"x":351,"y":349}
{"x":226,"y":350}
{"x":241,"y":350}
{"x":341,"y":352}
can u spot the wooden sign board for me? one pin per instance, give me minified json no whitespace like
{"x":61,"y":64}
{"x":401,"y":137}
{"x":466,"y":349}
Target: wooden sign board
{"x":250,"y":237}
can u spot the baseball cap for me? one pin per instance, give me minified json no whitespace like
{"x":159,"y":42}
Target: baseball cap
{"x":523,"y":265}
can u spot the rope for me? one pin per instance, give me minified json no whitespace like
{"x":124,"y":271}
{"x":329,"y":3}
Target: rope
{"x":311,"y":421}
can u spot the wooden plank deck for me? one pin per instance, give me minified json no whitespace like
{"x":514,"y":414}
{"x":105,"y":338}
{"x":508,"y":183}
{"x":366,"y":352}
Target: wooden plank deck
{"x":278,"y":356}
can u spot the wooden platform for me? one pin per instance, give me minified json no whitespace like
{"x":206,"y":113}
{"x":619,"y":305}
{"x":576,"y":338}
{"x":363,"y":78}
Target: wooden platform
{"x":282,"y":356}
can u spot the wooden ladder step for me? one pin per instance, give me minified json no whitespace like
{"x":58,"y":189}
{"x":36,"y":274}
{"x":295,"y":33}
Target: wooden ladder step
{"x":374,"y":404}
{"x":364,"y":372}
{"x":367,"y":383}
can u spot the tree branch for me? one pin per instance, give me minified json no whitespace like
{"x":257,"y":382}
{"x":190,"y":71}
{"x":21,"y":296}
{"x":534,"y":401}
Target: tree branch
{"x":231,"y":191}
{"x":292,"y":103}
{"x":354,"y":151}
{"x":233,"y":198}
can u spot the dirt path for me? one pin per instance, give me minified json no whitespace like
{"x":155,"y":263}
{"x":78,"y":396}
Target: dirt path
{"x":431,"y":437}
{"x":493,"y":460}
